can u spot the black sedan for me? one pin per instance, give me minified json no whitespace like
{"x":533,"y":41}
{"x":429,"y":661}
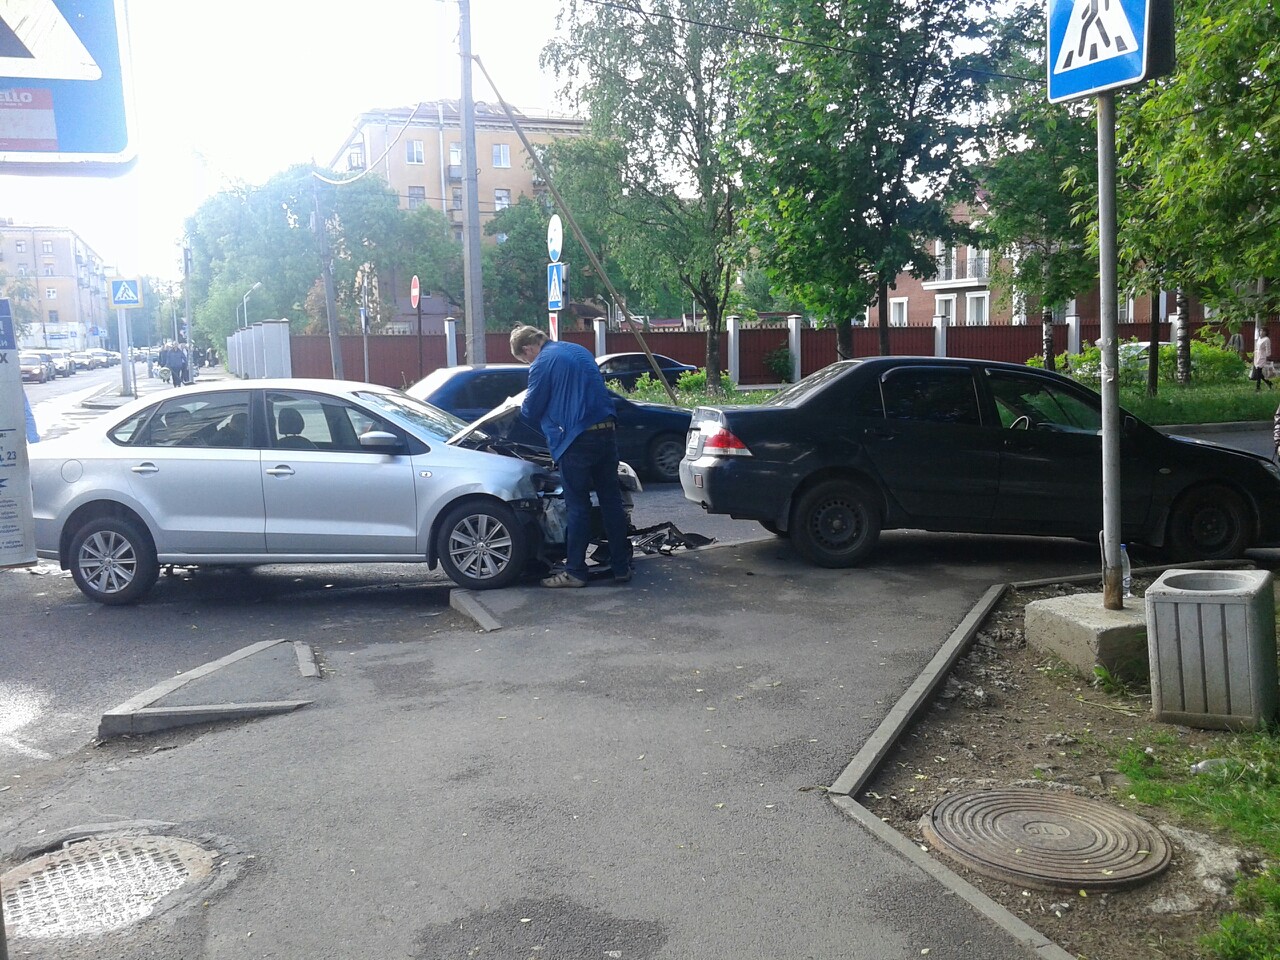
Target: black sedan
{"x":650,"y":435}
{"x":965,"y":446}
{"x":628,"y":368}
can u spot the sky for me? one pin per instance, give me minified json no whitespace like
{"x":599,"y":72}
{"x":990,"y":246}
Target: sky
{"x":238,"y":90}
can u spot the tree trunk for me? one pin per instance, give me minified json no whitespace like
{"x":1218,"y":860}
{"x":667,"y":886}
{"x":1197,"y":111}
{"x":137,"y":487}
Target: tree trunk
{"x":713,"y":318}
{"x":844,"y":339}
{"x":1046,"y":344}
{"x":1183,"y":347}
{"x":882,"y":309}
{"x":1153,"y":355}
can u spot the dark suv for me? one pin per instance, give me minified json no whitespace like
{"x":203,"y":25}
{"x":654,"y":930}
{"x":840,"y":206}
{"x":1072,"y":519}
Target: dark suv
{"x":650,"y":435}
{"x":965,"y":446}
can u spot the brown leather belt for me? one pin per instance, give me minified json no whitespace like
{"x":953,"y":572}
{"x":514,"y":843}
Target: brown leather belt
{"x":602,"y":425}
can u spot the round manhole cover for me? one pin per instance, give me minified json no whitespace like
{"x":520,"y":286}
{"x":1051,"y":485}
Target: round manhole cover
{"x":1047,"y":841}
{"x":98,"y":885}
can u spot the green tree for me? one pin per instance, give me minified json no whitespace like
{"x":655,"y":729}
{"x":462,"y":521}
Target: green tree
{"x":1203,"y":145}
{"x":844,"y":185}
{"x":515,"y":268}
{"x":661,"y":99}
{"x":23,"y":304}
{"x":1038,"y":174}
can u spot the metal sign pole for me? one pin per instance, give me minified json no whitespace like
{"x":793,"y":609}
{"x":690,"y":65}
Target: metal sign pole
{"x":1112,"y":591}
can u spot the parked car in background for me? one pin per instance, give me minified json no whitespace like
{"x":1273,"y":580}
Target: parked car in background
{"x":628,"y":368}
{"x":33,"y":367}
{"x":63,"y":361}
{"x":46,"y":357}
{"x":650,"y":435}
{"x":85,"y":360}
{"x":290,"y":471}
{"x":965,"y":446}
{"x":106,"y":358}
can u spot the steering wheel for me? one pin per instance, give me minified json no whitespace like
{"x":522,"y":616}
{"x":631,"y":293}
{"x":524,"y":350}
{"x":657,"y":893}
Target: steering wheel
{"x":1022,"y":423}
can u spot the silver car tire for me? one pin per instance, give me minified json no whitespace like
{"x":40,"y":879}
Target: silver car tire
{"x":113,"y":561}
{"x":482,"y":546}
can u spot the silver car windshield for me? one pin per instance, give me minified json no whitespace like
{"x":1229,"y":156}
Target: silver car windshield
{"x":416,"y":416}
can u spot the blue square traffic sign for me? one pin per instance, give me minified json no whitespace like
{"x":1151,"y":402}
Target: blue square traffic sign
{"x":555,"y":286}
{"x":126,"y":294}
{"x":64,"y":84}
{"x":1097,"y":45}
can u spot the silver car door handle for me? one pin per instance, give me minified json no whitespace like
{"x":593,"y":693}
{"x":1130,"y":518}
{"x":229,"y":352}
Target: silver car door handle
{"x":145,"y":467}
{"x":280,"y":471}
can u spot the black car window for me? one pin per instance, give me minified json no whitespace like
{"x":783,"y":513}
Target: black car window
{"x":486,"y":391}
{"x":934,"y":394}
{"x":1029,"y":402}
{"x":867,"y":401}
{"x":307,"y":421}
{"x":205,"y":420}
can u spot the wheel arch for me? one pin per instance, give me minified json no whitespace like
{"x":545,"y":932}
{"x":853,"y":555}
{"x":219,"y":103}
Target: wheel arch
{"x":1161,"y":534}
{"x":859,"y":477}
{"x":91,"y":511}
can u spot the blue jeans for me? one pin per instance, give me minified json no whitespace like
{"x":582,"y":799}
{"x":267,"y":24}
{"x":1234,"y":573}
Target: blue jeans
{"x":591,"y":462}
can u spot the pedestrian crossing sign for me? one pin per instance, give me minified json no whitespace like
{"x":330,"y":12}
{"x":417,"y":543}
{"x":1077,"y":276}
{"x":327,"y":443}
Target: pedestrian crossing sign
{"x":555,"y":286}
{"x":125,"y":294}
{"x":1100,"y":45}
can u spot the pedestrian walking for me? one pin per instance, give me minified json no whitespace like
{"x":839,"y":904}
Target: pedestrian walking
{"x":172,"y":358}
{"x":1261,"y":372}
{"x":568,"y":401}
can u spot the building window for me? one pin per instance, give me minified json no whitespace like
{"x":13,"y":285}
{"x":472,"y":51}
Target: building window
{"x":48,"y":271}
{"x":417,"y":197}
{"x":51,"y":293}
{"x":898,"y":312}
{"x":501,"y":199}
{"x":975,"y":309}
{"x":355,"y":159}
{"x":457,"y":234}
{"x":457,"y":198}
{"x":945,"y":307}
{"x":46,"y":246}
{"x":502,"y":155}
{"x":413,"y":152}
{"x":976,"y":263}
{"x":946,"y":261}
{"x":20,"y":246}
{"x":53,"y":316}
{"x":22,"y":269}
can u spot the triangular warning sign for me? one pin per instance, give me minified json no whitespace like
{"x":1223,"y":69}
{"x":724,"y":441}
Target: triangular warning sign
{"x":1098,"y":30}
{"x":553,"y":288}
{"x":125,"y":293}
{"x":39,"y":44}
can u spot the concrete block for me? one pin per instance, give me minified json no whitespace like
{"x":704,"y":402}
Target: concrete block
{"x":1082,"y":632}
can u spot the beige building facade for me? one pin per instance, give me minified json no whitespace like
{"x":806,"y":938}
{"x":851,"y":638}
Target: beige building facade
{"x":418,"y":151}
{"x":57,"y":285}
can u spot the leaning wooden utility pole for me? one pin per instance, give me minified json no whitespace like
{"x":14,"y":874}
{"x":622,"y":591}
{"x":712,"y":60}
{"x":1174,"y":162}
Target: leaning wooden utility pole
{"x":632,"y":324}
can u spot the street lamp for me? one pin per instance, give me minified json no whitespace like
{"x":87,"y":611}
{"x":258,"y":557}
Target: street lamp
{"x":245,"y":301}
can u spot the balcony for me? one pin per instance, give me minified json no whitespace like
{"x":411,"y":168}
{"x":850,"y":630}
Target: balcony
{"x":973,"y":271}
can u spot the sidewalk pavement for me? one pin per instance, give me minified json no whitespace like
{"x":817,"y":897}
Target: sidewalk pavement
{"x":646,"y":772}
{"x":111,"y":397}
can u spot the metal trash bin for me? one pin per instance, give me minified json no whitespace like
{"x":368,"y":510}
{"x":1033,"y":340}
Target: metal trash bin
{"x":1211,"y":643}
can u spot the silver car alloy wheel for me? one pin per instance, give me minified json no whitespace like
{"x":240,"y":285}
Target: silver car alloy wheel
{"x":481,"y":546}
{"x":107,"y":561}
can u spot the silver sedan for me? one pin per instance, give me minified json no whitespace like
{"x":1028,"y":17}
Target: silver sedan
{"x":289,"y":471}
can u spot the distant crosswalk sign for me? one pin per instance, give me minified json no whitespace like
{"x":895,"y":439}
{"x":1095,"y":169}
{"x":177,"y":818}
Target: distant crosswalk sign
{"x":1099,"y":45}
{"x":125,"y":294}
{"x":555,"y":286}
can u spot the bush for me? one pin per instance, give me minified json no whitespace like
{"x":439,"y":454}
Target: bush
{"x":697,"y":382}
{"x":780,"y":363}
{"x":1209,"y":364}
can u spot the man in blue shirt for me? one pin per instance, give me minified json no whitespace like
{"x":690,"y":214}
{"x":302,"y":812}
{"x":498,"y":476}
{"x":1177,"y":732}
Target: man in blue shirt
{"x":568,"y":401}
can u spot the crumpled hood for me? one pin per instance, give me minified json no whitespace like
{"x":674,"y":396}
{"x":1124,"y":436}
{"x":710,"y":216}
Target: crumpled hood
{"x":498,"y":422}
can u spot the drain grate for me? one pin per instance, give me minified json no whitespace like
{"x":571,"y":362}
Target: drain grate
{"x":1048,"y":841}
{"x":98,"y":885}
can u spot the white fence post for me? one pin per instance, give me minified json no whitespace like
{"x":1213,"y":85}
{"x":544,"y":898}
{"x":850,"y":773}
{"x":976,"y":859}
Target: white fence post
{"x":450,"y":342}
{"x":602,"y":330}
{"x":1073,"y":334}
{"x":793,"y":344}
{"x":735,"y":360}
{"x":939,"y":336}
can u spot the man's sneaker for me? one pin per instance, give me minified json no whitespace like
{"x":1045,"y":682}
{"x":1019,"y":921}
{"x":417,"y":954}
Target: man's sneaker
{"x":563,"y":579}
{"x":622,"y":577}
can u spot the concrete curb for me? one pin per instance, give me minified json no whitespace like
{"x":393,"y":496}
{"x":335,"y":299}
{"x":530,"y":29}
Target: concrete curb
{"x":467,"y":603}
{"x":140,"y":715}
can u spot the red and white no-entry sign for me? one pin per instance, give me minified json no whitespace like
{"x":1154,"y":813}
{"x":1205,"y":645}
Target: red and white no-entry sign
{"x":413,"y":292}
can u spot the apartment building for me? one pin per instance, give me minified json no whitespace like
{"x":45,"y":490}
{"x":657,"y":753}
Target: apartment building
{"x":57,"y":284}
{"x":418,"y":151}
